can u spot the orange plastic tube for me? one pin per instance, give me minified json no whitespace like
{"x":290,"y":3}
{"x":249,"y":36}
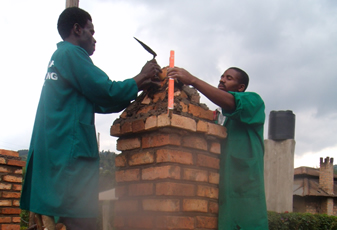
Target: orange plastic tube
{"x":171,"y":83}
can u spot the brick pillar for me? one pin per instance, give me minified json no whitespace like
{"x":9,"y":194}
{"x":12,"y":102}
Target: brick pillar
{"x":10,"y":189}
{"x":167,"y":174}
{"x":326,"y":182}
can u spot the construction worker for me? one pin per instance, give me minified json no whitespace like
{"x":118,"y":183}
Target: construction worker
{"x":63,"y":162}
{"x":242,"y":202}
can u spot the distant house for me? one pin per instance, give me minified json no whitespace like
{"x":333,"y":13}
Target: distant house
{"x":315,"y":190}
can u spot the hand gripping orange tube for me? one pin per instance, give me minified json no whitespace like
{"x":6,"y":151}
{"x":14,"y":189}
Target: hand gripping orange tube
{"x":171,"y":84}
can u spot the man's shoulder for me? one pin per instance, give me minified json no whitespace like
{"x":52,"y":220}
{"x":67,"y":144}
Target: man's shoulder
{"x":69,"y":48}
{"x":248,"y":95}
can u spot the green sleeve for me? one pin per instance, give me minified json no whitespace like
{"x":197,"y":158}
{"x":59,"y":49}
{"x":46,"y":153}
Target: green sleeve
{"x":74,"y":65}
{"x":249,"y":108}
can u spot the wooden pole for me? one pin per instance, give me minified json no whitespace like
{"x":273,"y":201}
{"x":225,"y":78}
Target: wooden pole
{"x":71,"y":3}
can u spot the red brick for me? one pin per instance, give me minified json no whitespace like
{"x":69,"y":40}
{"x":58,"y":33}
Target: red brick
{"x":10,"y":210}
{"x":184,"y":107}
{"x":5,"y":202}
{"x":163,"y":120}
{"x":183,"y":122}
{"x":10,"y":195}
{"x":3,"y":160}
{"x":207,"y":161}
{"x":127,"y":144}
{"x":217,"y":130}
{"x":175,"y":222}
{"x":162,"y":172}
{"x":160,"y":140}
{"x":213,"y":207}
{"x":10,"y":178}
{"x":207,"y":222}
{"x":195,"y":175}
{"x":115,"y":130}
{"x":16,"y":219}
{"x":138,"y":126}
{"x":5,"y":169}
{"x":170,"y":155}
{"x":18,"y":171}
{"x":202,"y":126}
{"x":9,"y":153}
{"x":126,"y":206}
{"x":175,"y":189}
{"x":146,"y":100}
{"x":127,"y":175}
{"x":126,"y":128}
{"x":145,"y":109}
{"x":5,"y":220}
{"x":119,"y":221}
{"x":208,"y":191}
{"x":120,"y":160}
{"x":195,"y":142}
{"x":215,"y":148}
{"x":151,"y":123}
{"x":5,"y":186}
{"x":197,"y":111}
{"x":195,"y":205}
{"x":121,"y":191}
{"x":213,"y":178}
{"x":16,"y":163}
{"x":124,"y":114}
{"x":10,"y":227}
{"x":16,"y":203}
{"x":164,"y":205}
{"x":159,"y":96}
{"x":143,"y":222}
{"x":143,"y":189}
{"x":141,"y":158}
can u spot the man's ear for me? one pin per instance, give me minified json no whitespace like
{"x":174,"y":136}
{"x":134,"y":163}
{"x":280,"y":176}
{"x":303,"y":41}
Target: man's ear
{"x":77,"y":29}
{"x":241,"y":87}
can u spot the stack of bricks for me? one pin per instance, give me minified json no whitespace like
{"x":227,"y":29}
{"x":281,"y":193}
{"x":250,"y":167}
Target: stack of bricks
{"x":167,"y":174}
{"x":10,"y":189}
{"x":326,"y":182}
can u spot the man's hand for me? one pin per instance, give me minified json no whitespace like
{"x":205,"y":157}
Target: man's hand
{"x":182,"y":75}
{"x":149,"y":70}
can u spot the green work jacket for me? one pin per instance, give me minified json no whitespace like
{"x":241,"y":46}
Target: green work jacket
{"x":63,"y":162}
{"x":242,"y":202}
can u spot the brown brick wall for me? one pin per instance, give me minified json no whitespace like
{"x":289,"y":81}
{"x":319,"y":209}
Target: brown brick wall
{"x":10,"y":189}
{"x":167,"y":175}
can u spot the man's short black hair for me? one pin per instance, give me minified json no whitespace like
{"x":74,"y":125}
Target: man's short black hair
{"x":244,"y":78}
{"x":69,"y":17}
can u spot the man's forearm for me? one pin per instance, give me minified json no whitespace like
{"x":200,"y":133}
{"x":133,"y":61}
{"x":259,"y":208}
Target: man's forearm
{"x":219,"y":97}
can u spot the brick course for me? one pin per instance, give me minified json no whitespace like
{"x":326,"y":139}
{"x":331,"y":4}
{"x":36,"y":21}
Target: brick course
{"x":10,"y":189}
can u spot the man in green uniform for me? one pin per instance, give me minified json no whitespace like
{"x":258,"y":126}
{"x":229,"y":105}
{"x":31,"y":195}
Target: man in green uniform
{"x":63,"y":163}
{"x":242,"y":203}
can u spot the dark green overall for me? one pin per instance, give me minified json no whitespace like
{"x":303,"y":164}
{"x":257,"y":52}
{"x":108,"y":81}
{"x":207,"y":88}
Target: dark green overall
{"x":242,"y":203}
{"x":63,"y":161}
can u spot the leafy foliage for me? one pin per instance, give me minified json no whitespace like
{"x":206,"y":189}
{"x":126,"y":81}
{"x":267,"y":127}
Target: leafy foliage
{"x":107,"y":170}
{"x":301,"y":221}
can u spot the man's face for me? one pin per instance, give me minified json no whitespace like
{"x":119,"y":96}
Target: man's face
{"x":86,"y":39}
{"x":229,"y":81}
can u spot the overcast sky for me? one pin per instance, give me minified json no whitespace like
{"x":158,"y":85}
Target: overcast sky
{"x":288,"y":48}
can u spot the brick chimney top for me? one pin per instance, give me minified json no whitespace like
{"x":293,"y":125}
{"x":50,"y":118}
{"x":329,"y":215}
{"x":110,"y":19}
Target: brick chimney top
{"x":326,"y":160}
{"x":326,"y":179}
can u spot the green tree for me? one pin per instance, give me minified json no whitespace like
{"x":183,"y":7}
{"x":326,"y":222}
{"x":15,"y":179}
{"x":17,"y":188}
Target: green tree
{"x":107,"y":170}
